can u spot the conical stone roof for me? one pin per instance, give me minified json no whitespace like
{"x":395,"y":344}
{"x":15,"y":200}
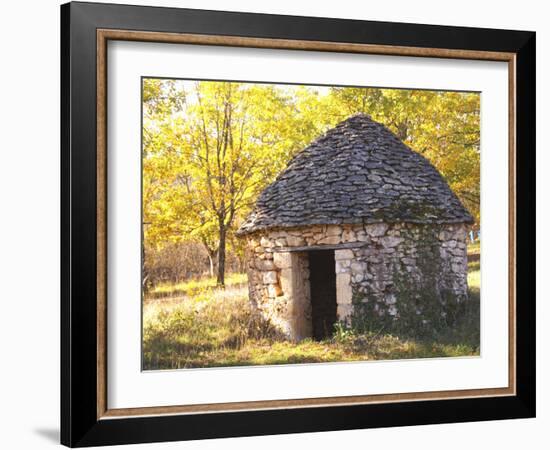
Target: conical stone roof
{"x":357,"y":172}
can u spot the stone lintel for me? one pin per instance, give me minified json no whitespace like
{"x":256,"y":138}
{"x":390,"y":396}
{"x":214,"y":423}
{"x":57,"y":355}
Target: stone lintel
{"x":317,"y":247}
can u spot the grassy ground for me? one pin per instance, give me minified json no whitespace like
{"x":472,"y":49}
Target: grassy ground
{"x":196,"y":324}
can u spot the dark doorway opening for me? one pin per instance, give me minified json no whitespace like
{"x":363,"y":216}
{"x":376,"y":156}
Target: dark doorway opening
{"x":322,"y":280}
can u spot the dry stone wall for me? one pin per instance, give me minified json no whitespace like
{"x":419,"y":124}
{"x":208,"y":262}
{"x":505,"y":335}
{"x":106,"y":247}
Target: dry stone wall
{"x":382,"y":270}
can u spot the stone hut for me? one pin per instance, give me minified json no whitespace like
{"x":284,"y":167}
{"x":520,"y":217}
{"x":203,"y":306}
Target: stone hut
{"x":357,"y":225}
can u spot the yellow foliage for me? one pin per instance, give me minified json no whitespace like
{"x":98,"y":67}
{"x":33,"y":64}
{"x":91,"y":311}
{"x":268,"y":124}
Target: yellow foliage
{"x":209,"y":148}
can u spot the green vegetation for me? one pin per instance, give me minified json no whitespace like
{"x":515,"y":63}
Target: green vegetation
{"x":197,"y":324}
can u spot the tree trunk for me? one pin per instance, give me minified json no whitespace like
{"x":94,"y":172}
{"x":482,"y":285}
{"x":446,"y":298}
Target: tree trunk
{"x":211,"y":261}
{"x":221,"y":256}
{"x":211,"y":258}
{"x":144,"y":274}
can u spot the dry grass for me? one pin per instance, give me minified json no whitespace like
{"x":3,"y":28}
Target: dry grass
{"x":194,"y":286}
{"x":196,"y":324}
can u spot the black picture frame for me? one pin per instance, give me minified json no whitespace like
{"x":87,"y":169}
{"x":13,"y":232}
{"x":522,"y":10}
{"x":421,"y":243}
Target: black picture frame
{"x":80,"y":425}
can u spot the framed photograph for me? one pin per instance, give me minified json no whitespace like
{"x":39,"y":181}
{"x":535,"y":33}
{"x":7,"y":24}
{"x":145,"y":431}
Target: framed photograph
{"x":277,"y":224}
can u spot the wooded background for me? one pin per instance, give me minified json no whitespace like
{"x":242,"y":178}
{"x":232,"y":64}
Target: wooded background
{"x":209,"y":149}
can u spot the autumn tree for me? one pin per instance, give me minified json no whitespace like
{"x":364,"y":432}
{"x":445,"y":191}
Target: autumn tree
{"x":209,"y":148}
{"x":209,"y":158}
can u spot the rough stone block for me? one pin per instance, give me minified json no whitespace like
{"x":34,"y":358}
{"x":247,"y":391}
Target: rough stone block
{"x":376,"y":229}
{"x":264,"y":264}
{"x":295,"y":241}
{"x":358,"y":267}
{"x":266,"y":243}
{"x":348,"y":236}
{"x":391,"y":241}
{"x":343,"y":254}
{"x":457,"y":268}
{"x":280,"y":242}
{"x":361,"y":236}
{"x":310,"y":240}
{"x":358,"y":277}
{"x":282,"y":260}
{"x":334,"y":230}
{"x":318,"y":236}
{"x":343,"y":288}
{"x":269,"y":277}
{"x":330,"y":240}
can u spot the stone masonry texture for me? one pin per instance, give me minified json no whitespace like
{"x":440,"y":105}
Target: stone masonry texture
{"x":396,"y":228}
